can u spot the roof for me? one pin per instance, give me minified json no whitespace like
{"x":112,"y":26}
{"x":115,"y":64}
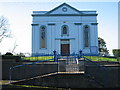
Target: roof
{"x":53,"y":12}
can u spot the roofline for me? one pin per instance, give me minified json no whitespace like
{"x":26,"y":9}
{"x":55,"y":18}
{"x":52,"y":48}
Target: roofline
{"x":47,"y":13}
{"x":40,"y":12}
{"x":88,"y":11}
{"x":64,"y":14}
{"x":62,"y":5}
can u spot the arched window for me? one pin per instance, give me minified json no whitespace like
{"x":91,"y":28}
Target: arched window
{"x":43,"y":37}
{"x":86,"y":36}
{"x":64,"y":30}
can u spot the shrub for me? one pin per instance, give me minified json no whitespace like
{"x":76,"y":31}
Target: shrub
{"x":116,"y":52}
{"x":9,"y":54}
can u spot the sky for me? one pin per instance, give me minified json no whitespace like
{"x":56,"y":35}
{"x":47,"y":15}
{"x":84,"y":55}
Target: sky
{"x":18,"y":13}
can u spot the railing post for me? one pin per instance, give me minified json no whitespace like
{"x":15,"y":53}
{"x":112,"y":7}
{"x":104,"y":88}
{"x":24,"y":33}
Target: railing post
{"x":10,"y":74}
{"x":55,"y":56}
{"x":80,"y":53}
{"x":85,"y":65}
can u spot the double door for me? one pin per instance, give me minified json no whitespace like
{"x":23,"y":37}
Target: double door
{"x":65,"y":47}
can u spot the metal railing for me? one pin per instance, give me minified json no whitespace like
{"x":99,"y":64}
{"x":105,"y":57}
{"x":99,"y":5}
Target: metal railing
{"x":14,"y":67}
{"x":97,"y":72}
{"x":91,"y":68}
{"x":36,"y":61}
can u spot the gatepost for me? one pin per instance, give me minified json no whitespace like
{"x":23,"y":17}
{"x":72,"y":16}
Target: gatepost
{"x":55,"y":56}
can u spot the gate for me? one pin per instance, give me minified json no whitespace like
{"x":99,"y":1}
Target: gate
{"x":70,"y":64}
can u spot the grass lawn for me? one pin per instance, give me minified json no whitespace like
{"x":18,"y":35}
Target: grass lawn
{"x":38,"y":58}
{"x":93,"y":58}
{"x":97,"y":58}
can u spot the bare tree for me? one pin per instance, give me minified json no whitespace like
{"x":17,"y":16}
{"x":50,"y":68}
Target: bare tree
{"x":4,"y":28}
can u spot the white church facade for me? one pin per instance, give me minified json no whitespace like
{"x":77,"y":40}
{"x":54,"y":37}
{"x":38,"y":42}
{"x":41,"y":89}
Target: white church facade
{"x":65,"y":30}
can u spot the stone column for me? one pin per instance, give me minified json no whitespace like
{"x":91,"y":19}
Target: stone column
{"x":49,"y":40}
{"x":94,"y":38}
{"x":34,"y":38}
{"x":79,"y":36}
{"x":94,"y":34}
{"x":51,"y":37}
{"x":34,"y":34}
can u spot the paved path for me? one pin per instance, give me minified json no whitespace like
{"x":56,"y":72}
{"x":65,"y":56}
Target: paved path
{"x":5,"y":82}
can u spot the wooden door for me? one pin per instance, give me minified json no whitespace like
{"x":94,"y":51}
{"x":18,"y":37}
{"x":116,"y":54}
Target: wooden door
{"x":65,"y":49}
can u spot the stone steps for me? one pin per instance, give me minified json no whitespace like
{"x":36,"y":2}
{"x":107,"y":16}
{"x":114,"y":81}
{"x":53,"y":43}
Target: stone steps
{"x":72,"y":68}
{"x":71,"y":65}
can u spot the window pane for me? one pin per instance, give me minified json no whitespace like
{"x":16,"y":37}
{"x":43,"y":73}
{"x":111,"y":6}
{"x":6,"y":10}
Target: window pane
{"x":86,"y":36}
{"x":43,"y":34}
{"x":64,"y":30}
{"x":43,"y":43}
{"x":43,"y":37}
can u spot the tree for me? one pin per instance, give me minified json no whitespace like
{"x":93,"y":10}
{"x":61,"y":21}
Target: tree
{"x":116,"y":52}
{"x":102,"y":47}
{"x":4,"y":28}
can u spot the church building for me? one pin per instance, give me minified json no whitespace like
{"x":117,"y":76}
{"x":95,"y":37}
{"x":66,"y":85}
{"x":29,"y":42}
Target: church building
{"x":65,"y":30}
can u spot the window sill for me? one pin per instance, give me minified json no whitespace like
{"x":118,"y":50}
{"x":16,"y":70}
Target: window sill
{"x":64,"y":35}
{"x":43,"y":48}
{"x":86,"y":47}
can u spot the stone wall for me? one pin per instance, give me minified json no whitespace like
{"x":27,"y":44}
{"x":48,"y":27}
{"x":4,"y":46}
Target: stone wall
{"x":61,"y":81}
{"x":109,"y":78}
{"x":26,"y":71}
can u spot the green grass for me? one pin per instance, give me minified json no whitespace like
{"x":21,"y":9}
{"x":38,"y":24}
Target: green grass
{"x":96,"y":58}
{"x":93,"y":58}
{"x":38,"y":58}
{"x":31,"y":87}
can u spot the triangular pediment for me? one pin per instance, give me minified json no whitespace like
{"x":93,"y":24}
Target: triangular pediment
{"x":64,"y":9}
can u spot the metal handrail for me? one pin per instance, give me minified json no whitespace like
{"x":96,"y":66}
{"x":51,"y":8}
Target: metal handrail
{"x":10,"y":74}
{"x":95,"y":63}
{"x":102,"y":68}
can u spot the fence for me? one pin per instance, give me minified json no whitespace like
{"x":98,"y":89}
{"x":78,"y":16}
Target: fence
{"x":39,"y":57}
